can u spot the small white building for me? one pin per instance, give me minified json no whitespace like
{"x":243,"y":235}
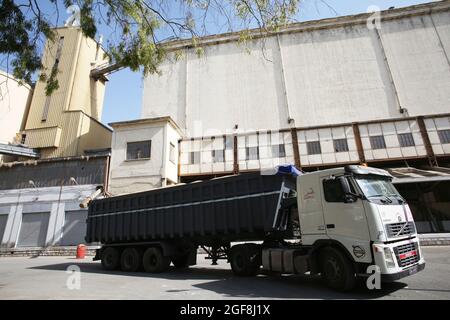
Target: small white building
{"x":145,"y":154}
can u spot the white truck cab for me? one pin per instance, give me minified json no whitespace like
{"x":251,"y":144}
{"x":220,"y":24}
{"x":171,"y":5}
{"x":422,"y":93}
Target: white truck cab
{"x":357,"y":210}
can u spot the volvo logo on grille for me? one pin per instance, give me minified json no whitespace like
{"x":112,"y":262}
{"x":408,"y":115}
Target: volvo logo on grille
{"x":359,"y":252}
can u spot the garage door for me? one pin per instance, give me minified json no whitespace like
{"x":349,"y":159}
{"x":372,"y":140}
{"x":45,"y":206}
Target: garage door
{"x":33,"y":230}
{"x":3,"y":219}
{"x":74,"y":229}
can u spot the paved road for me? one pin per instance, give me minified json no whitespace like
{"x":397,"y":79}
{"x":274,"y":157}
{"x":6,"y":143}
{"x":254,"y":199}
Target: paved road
{"x":46,"y":278}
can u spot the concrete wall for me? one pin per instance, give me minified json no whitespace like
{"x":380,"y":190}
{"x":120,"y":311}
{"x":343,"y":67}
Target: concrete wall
{"x":14,"y":101}
{"x":329,"y":75}
{"x":53,"y":200}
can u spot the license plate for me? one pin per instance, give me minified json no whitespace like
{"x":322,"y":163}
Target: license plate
{"x":413,"y":270}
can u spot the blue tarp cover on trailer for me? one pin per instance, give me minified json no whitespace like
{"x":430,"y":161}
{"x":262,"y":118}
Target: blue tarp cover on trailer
{"x":283,"y":169}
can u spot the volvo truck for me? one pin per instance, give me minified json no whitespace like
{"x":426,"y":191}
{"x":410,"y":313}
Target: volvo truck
{"x":336,"y":223}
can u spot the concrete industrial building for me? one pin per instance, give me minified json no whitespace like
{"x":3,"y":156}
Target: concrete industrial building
{"x":15,"y":99}
{"x":317,"y":94}
{"x":55,"y":149}
{"x":67,"y":123}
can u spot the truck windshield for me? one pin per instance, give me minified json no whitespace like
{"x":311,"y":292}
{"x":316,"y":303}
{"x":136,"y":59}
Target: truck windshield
{"x":380,"y":188}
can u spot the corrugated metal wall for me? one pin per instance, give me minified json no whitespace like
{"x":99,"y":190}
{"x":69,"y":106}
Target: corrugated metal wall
{"x":43,"y":138}
{"x":50,"y":174}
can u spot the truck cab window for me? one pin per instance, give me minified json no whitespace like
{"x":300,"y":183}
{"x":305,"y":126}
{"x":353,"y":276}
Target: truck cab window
{"x":332,"y":190}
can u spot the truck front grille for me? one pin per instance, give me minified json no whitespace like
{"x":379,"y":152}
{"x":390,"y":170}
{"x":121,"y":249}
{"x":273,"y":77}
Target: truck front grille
{"x":407,"y":254}
{"x":393,"y":229}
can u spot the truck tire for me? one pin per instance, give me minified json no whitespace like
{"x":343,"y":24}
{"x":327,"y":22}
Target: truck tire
{"x":154,"y":261}
{"x":245,"y":259}
{"x":110,"y":258}
{"x":336,"y":270}
{"x":130,"y":260}
{"x":181,"y":261}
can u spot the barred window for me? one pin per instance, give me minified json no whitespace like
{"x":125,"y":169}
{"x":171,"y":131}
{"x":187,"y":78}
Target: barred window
{"x":251,"y":153}
{"x":340,"y":145}
{"x":444,"y":136}
{"x":138,"y":150}
{"x":406,"y":140}
{"x":377,"y":142}
{"x":313,"y":147}
{"x":278,"y":151}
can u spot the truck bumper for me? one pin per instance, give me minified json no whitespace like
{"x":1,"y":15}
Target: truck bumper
{"x":404,"y":273}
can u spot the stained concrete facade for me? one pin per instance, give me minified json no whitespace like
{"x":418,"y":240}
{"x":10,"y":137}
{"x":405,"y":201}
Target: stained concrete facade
{"x":316,"y":73}
{"x":15,"y":99}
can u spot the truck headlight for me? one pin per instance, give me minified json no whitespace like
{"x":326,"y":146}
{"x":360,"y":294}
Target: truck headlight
{"x":390,"y":263}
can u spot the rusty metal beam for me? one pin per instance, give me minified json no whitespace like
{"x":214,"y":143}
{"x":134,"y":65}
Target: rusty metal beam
{"x":359,"y":146}
{"x":426,"y":141}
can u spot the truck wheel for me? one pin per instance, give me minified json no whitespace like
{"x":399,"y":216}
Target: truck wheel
{"x":245,"y":259}
{"x":181,"y":261}
{"x":110,"y":258}
{"x":130,"y":260}
{"x":336,"y":269}
{"x":154,"y":261}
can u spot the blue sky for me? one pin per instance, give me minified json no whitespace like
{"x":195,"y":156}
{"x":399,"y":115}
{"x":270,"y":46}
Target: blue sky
{"x":124,"y":90}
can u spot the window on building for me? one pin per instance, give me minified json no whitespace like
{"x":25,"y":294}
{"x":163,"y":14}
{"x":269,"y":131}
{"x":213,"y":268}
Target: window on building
{"x":252,"y":153}
{"x":138,"y":150}
{"x":377,"y":142}
{"x":406,"y":140}
{"x":172,"y":153}
{"x":229,"y":143}
{"x":444,"y":136}
{"x":340,"y":145}
{"x":194,"y":157}
{"x":313,"y":147}
{"x":278,"y":151}
{"x":218,"y":155}
{"x":333,"y":191}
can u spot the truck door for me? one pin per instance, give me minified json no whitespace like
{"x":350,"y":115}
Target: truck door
{"x":309,"y":195}
{"x":345,"y":219}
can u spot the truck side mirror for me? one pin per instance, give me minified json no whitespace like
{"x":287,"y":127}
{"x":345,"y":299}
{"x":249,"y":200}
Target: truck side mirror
{"x":349,"y":196}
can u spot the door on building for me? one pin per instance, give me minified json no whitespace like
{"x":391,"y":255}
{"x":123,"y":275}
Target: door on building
{"x":33,"y":231}
{"x":74,"y":229}
{"x":3,"y":219}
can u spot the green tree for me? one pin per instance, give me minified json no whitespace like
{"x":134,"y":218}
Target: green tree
{"x":139,"y":28}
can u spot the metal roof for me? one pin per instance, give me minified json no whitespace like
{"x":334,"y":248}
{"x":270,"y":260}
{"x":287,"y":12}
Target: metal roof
{"x":414,"y":175}
{"x":18,"y":150}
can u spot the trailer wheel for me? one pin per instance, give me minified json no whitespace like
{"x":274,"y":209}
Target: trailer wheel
{"x":181,"y":261}
{"x":245,"y":259}
{"x":110,"y":258}
{"x":130,"y":260}
{"x":336,"y":270}
{"x":154,"y":261}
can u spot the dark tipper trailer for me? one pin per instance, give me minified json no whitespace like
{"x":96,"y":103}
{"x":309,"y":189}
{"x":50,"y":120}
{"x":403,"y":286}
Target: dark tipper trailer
{"x":156,"y":227}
